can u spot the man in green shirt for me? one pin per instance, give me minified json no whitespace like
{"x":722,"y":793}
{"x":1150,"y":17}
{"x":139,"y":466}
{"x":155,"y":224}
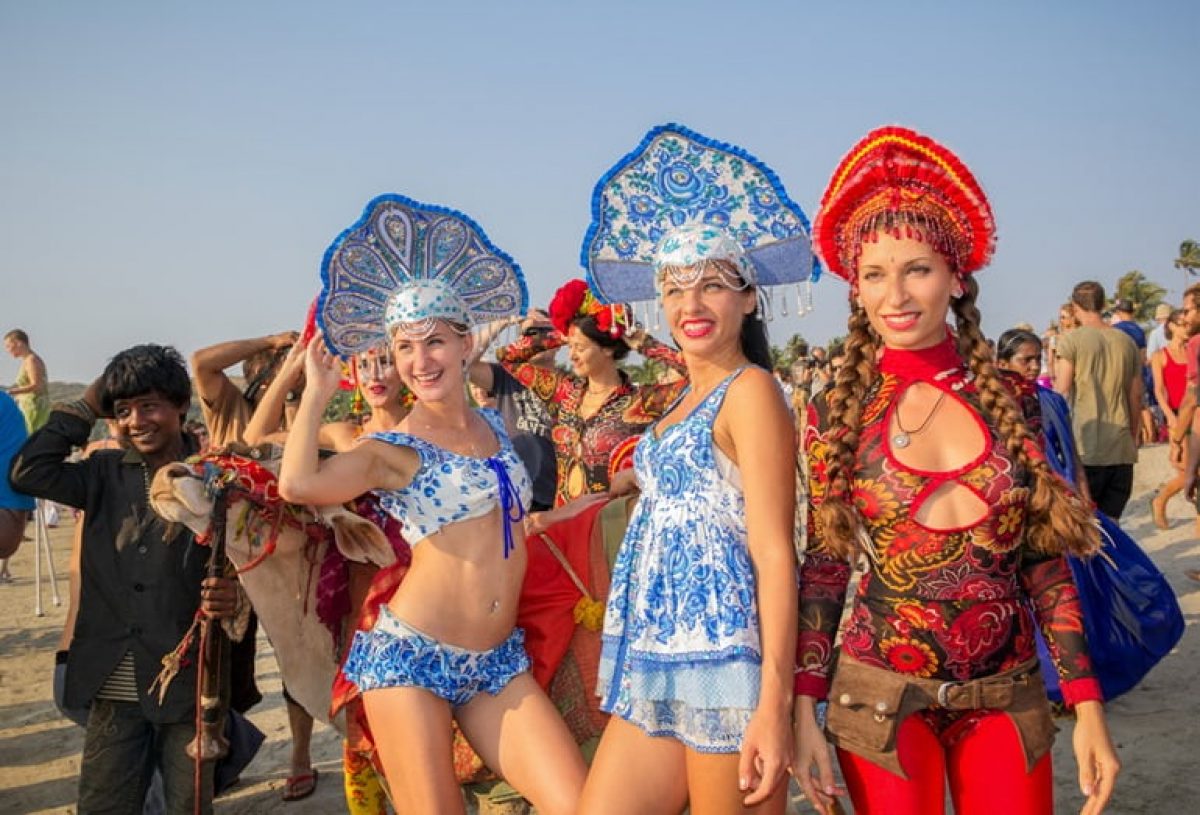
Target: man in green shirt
{"x":1098,"y":369}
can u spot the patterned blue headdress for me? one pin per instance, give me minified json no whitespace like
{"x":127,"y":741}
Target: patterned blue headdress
{"x":681,"y":198}
{"x":405,"y":265}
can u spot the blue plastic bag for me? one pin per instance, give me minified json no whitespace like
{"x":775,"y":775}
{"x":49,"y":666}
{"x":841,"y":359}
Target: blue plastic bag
{"x":1130,"y":615}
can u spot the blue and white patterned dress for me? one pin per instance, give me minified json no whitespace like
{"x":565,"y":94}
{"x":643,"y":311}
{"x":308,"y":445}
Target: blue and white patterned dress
{"x":681,"y":649}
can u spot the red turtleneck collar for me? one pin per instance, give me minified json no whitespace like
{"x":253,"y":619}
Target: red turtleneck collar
{"x":939,"y":365}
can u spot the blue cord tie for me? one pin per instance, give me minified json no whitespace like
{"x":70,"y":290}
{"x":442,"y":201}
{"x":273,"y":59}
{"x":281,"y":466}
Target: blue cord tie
{"x":510,"y":499}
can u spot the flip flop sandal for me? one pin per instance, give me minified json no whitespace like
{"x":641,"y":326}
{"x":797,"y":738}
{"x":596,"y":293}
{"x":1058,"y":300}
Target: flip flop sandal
{"x":300,"y":786}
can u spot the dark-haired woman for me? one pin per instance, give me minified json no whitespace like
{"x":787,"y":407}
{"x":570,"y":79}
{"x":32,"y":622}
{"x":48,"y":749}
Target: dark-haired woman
{"x":1019,"y":352}
{"x":700,"y":624}
{"x":1130,"y":616}
{"x":923,"y":462}
{"x":1168,"y":366}
{"x":597,"y":410}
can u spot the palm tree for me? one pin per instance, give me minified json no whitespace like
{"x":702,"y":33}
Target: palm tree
{"x":646,"y":371}
{"x":796,"y":347}
{"x":1189,"y":257}
{"x":1144,"y":295}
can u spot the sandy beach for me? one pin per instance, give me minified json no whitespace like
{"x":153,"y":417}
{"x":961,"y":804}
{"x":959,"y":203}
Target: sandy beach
{"x":1155,"y":726}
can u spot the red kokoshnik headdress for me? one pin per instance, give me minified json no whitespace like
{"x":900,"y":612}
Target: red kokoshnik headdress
{"x":896,"y":170}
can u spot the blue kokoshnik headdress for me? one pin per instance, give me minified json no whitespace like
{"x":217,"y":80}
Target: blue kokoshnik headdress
{"x":405,"y":265}
{"x":680,"y":199}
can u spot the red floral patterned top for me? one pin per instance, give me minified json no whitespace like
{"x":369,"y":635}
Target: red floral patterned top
{"x":584,"y":447}
{"x":950,"y":604}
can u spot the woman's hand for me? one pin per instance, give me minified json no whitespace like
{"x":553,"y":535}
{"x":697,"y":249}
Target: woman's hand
{"x":322,"y":370}
{"x":293,"y":364}
{"x":623,"y":482}
{"x":1094,"y":753}
{"x":767,"y":750}
{"x":536,"y":522}
{"x":812,"y":751}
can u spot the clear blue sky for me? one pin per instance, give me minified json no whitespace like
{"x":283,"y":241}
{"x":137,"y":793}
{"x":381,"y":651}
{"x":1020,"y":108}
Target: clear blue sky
{"x":173,"y":173}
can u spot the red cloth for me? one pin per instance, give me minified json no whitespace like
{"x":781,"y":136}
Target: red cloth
{"x":980,"y":753}
{"x":1175,"y":379}
{"x":548,"y":595}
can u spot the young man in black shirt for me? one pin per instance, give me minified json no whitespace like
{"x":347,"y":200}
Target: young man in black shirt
{"x":142,"y":582}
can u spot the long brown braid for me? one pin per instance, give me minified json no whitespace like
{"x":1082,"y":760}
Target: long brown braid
{"x":1057,"y":519}
{"x":837,"y":522}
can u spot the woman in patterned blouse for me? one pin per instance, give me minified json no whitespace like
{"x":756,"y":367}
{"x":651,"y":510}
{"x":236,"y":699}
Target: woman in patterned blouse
{"x":597,"y":411}
{"x":921,"y":461}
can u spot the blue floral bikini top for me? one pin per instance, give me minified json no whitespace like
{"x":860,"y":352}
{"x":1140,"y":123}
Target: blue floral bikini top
{"x":449,"y":487}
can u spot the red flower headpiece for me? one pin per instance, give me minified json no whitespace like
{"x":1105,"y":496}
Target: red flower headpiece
{"x":574,"y":299}
{"x":898,"y":171}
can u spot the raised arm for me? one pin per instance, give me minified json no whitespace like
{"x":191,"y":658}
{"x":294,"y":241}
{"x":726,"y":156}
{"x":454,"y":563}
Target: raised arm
{"x":209,"y":364}
{"x":651,"y":348}
{"x":40,"y":467}
{"x":658,"y":398}
{"x":547,"y":384}
{"x":526,"y":348}
{"x":303,"y":479}
{"x":758,"y":426}
{"x":266,"y":423}
{"x":479,"y":372}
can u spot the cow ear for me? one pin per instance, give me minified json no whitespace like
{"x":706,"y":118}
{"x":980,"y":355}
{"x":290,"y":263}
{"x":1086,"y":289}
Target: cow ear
{"x":358,"y":539}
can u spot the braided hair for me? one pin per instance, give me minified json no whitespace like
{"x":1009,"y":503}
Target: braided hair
{"x":1057,"y":521}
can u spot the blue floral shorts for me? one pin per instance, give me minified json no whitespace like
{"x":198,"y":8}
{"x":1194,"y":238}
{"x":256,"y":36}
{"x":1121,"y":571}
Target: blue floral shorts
{"x":394,"y":654}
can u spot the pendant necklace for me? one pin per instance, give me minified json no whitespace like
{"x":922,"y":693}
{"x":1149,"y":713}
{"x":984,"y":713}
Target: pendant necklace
{"x":904,"y":437}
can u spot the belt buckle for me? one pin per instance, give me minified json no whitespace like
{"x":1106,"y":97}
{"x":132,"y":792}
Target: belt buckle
{"x":943,"y":692}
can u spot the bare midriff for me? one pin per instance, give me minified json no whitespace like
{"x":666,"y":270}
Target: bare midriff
{"x":460,"y":589}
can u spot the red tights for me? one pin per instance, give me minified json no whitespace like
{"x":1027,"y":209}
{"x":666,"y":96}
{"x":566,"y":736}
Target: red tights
{"x":980,"y":753}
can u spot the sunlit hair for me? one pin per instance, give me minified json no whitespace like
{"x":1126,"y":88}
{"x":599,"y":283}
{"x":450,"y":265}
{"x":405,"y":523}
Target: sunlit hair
{"x":1057,"y":519}
{"x":1067,"y":316}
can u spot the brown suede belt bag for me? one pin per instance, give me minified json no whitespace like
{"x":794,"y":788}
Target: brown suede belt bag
{"x":867,"y":705}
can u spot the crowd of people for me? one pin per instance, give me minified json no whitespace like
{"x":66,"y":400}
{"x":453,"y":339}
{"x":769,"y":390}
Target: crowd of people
{"x":743,"y":497}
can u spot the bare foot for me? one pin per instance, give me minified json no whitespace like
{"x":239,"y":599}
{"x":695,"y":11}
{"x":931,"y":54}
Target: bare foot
{"x":1159,"y":508}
